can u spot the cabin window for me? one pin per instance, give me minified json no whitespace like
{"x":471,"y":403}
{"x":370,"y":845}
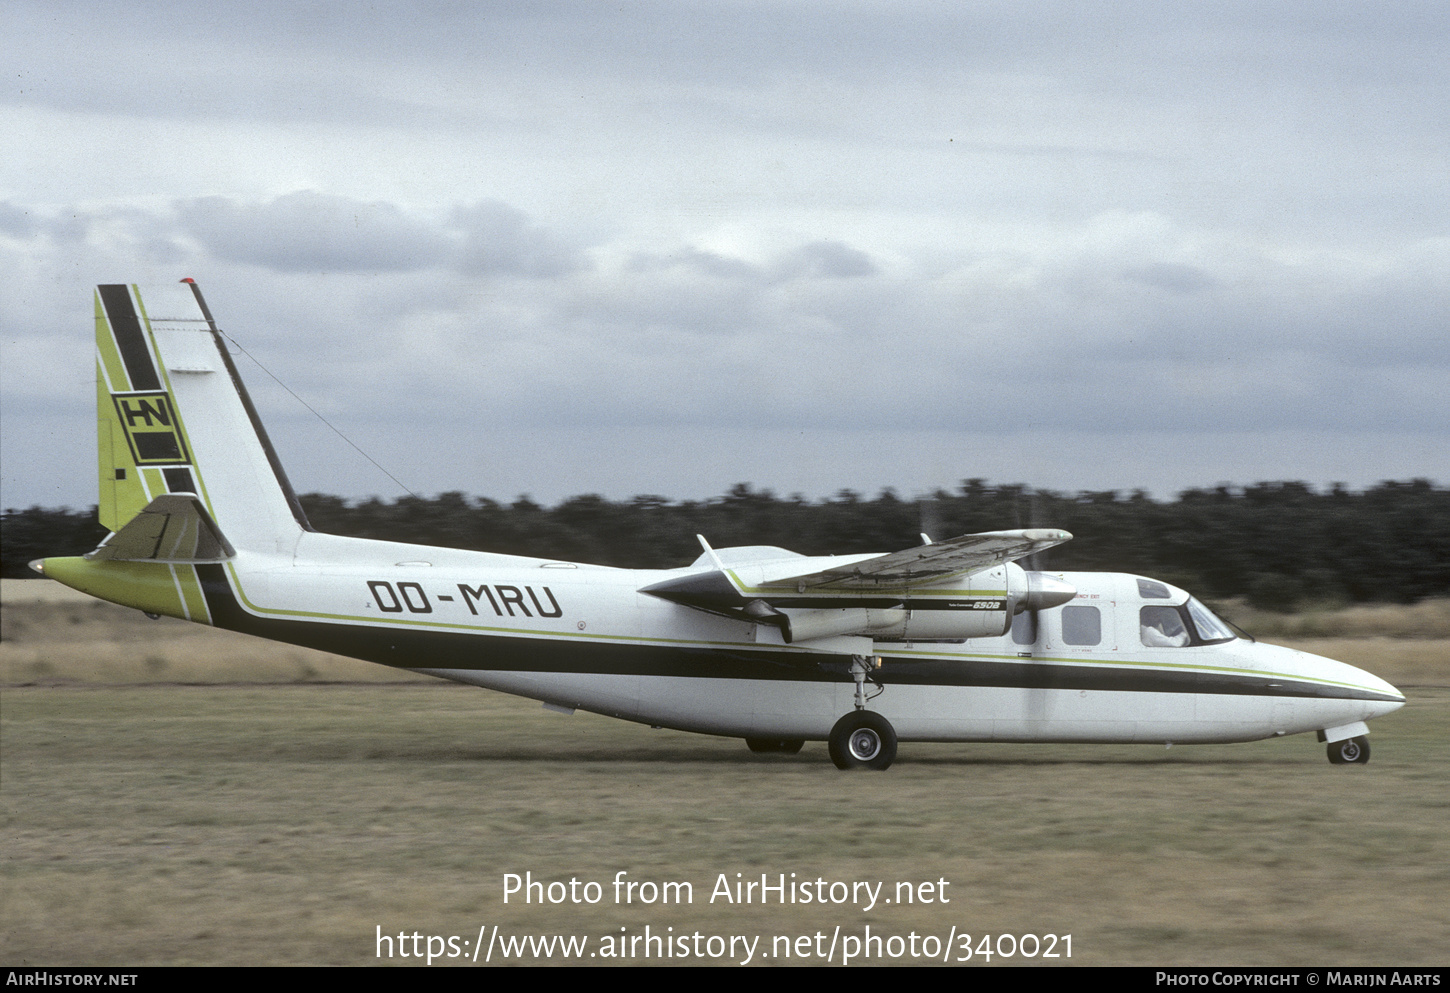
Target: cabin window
{"x":1081,"y":625}
{"x":1024,"y":628}
{"x":1150,"y":589}
{"x":1162,"y":627}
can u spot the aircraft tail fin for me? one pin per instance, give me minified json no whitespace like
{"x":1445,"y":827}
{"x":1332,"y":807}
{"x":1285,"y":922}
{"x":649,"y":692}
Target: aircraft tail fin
{"x":182,"y":452}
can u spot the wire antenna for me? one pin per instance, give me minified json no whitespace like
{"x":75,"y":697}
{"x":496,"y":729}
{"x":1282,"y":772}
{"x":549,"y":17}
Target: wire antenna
{"x":324,"y":420}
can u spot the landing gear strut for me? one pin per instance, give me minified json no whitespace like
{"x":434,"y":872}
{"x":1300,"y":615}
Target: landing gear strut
{"x":862,"y":739}
{"x":1350,"y":751}
{"x":863,"y":667}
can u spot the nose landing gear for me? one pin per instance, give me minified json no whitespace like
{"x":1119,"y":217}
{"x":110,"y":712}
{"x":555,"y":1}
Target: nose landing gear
{"x":1350,"y":751}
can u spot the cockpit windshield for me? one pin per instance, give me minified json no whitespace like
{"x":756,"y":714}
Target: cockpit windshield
{"x":1211,"y":630}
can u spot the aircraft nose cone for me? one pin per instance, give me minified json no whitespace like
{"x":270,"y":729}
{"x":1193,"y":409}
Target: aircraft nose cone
{"x":1370,"y":695}
{"x":1389,"y":694}
{"x":1375,"y":683}
{"x":1045,"y":591}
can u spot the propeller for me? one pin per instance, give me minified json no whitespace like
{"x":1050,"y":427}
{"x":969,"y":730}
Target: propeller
{"x":1044,"y":592}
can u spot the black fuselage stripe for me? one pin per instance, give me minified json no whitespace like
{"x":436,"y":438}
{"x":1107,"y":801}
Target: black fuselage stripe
{"x":130,"y":339}
{"x":432,"y":649}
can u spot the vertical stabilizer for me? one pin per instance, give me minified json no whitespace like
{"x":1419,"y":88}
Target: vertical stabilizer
{"x":174,"y":417}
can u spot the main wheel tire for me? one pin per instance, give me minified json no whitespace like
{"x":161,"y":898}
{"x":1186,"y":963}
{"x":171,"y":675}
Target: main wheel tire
{"x":778,"y":746}
{"x":1350,"y":751}
{"x":863,"y":740}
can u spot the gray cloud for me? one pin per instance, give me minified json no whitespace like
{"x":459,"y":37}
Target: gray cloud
{"x":824,"y":260}
{"x":501,"y":239}
{"x":1171,"y":277}
{"x":16,"y":221}
{"x":313,"y":232}
{"x":755,"y":219}
{"x":310,"y":232}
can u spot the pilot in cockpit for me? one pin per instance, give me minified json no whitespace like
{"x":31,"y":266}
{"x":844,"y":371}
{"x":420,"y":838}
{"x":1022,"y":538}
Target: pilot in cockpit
{"x":1161,"y":627}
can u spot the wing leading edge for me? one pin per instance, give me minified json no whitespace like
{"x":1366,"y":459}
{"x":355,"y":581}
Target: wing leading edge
{"x":938,"y":572}
{"x":928,"y":565}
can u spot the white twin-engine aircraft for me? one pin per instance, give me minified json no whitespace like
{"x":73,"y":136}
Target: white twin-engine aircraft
{"x":949,"y":641}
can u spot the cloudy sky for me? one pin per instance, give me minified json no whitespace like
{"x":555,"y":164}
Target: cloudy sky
{"x":558,"y":248}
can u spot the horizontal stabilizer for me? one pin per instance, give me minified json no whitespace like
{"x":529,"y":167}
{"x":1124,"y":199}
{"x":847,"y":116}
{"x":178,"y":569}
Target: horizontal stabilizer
{"x":174,"y":527}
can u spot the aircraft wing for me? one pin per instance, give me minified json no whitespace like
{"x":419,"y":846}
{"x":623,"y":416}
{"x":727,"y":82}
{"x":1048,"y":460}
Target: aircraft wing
{"x":926,"y":565}
{"x":927,"y":570}
{"x":174,"y":527}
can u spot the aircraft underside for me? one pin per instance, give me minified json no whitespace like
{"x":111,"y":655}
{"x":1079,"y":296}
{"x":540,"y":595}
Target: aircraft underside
{"x":807,"y":710}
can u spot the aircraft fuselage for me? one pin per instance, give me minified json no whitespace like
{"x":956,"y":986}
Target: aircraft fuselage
{"x":585,"y":637}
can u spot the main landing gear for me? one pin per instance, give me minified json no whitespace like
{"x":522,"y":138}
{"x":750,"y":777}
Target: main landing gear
{"x":1350,"y":751}
{"x":860,"y":740}
{"x":863,"y":739}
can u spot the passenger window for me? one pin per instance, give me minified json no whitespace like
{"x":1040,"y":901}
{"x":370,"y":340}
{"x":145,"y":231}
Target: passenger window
{"x":1162,"y":627}
{"x":1081,"y":625}
{"x":1024,"y":628}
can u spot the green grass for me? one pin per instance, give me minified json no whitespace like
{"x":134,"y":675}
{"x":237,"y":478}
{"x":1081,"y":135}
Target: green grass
{"x":283,"y":824}
{"x":174,"y":794}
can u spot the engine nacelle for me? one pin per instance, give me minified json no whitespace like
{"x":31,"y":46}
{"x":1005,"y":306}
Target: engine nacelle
{"x":977,"y":606}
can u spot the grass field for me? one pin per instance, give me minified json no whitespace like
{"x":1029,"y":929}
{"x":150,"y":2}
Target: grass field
{"x":286,"y":820}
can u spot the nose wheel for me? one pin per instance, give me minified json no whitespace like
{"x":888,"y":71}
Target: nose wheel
{"x":1350,"y":751}
{"x":863,"y":740}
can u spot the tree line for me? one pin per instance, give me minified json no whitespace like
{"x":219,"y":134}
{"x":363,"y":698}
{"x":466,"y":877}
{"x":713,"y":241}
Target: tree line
{"x":1279,"y":544}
